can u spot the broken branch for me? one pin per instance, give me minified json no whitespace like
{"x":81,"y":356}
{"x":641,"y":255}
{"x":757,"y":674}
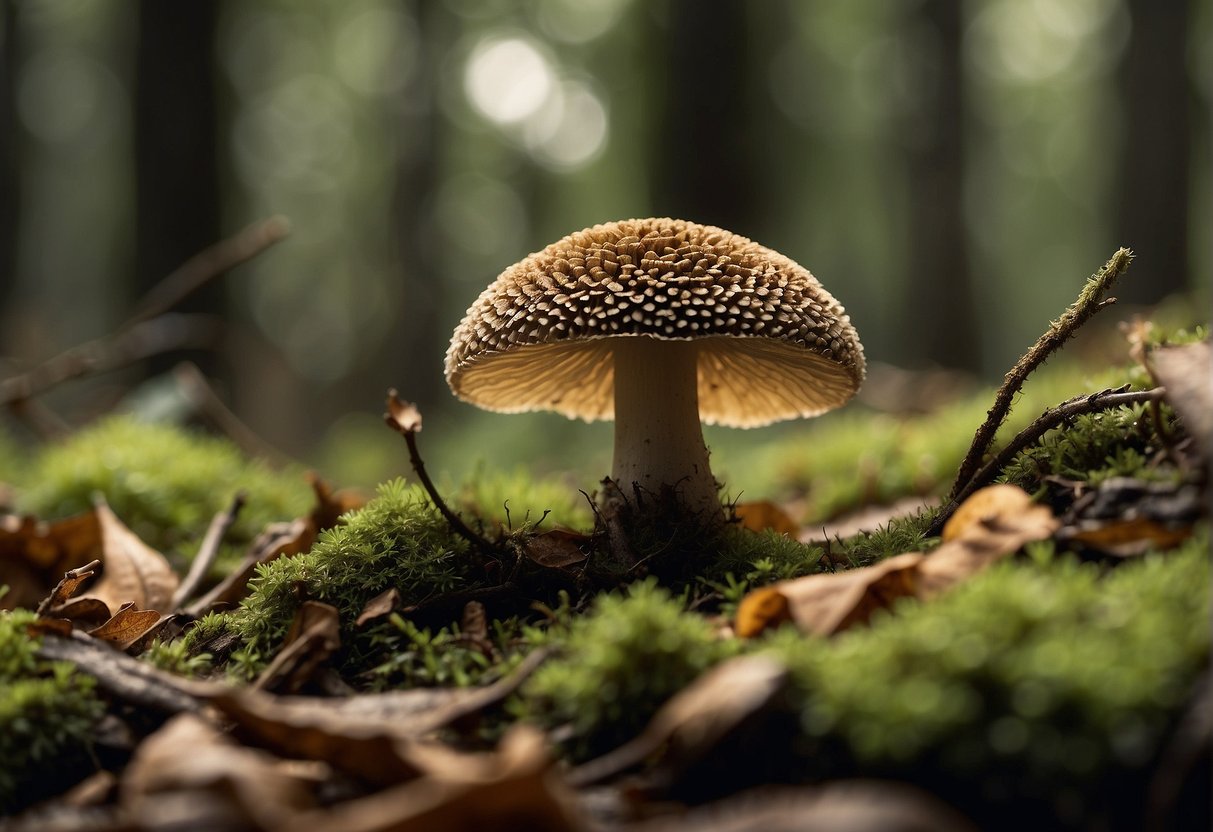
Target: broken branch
{"x":1090,"y":300}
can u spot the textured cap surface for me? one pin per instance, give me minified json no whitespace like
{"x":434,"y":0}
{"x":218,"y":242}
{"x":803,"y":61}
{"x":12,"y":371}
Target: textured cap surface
{"x":773,"y":344}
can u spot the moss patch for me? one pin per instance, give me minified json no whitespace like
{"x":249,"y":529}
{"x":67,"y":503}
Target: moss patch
{"x":47,"y":712}
{"x":165,"y":483}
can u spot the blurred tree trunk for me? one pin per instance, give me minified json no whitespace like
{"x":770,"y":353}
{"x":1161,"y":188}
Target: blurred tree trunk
{"x":413,"y":357}
{"x":176,"y":156}
{"x":9,"y":183}
{"x":702,"y":70}
{"x":940,"y":320}
{"x":1157,"y":98}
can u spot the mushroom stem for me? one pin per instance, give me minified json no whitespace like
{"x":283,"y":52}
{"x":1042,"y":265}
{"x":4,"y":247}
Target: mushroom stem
{"x":658,"y":438}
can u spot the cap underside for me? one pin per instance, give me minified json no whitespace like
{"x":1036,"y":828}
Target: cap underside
{"x":743,"y":381}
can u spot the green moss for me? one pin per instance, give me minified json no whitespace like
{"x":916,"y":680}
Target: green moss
{"x":47,"y":711}
{"x":617,"y":665}
{"x":176,"y":657}
{"x":165,"y":483}
{"x":398,"y":540}
{"x":1036,"y":681}
{"x":513,"y":499}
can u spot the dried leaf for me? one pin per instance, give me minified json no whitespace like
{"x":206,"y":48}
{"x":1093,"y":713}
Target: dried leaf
{"x":383,"y":604}
{"x":829,"y":603}
{"x":692,"y":724}
{"x":49,"y":626}
{"x":1187,"y":373}
{"x":88,"y":612}
{"x":127,"y":626}
{"x":34,"y":554}
{"x":990,"y":525}
{"x":839,"y":806}
{"x":66,"y":588}
{"x":404,"y":416}
{"x":557,"y":548}
{"x":763,"y":515}
{"x":513,"y":788}
{"x":188,"y":774}
{"x":134,"y":572}
{"x":314,"y":636}
{"x":1127,"y":538}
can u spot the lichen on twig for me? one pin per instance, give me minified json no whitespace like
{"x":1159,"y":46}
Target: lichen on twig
{"x":1090,"y":300}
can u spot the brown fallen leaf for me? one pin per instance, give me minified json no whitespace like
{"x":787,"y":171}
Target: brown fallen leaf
{"x":1130,"y":537}
{"x":557,"y":548}
{"x":381,"y":606}
{"x":690,"y":726}
{"x":839,"y":806}
{"x":35,"y":554}
{"x":280,"y":540}
{"x":762,"y":515}
{"x":314,"y":636}
{"x":368,"y":736}
{"x":512,"y":788}
{"x":66,"y":588}
{"x":189,"y":775}
{"x":1127,"y":517}
{"x":127,"y":626}
{"x":86,"y":612}
{"x":133,"y":572}
{"x":990,"y":525}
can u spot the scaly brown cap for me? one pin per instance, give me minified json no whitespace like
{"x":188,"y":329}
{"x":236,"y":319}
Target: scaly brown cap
{"x":773,"y":344}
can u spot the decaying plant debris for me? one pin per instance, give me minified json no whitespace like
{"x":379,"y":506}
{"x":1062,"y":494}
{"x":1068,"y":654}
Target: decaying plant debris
{"x":407,"y":661}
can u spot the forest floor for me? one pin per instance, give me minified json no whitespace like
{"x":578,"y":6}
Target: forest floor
{"x":991,"y":615}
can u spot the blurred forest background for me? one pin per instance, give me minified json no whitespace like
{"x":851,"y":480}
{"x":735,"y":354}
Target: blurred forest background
{"x":951,"y":171}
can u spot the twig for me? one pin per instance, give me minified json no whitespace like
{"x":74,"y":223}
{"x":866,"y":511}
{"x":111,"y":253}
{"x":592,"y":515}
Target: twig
{"x":208,"y":550}
{"x":404,"y":418}
{"x":195,"y":386}
{"x":1051,"y":418}
{"x":208,"y":264}
{"x":167,"y":332}
{"x":1090,"y":300}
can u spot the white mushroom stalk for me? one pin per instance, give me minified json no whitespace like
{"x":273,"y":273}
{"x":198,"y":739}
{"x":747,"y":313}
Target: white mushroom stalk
{"x":658,"y":438}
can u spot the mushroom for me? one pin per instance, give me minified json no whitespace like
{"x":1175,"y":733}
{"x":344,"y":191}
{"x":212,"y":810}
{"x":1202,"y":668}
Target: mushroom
{"x":657,"y":323}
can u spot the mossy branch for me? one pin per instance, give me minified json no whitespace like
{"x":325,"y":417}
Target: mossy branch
{"x":1051,"y":418}
{"x":1090,"y":300}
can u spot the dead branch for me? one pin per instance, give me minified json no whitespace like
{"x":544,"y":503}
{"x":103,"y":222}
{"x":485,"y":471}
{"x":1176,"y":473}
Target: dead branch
{"x":1047,"y":421}
{"x":208,"y":550}
{"x":195,"y":386}
{"x":1090,"y":300}
{"x":208,"y":264}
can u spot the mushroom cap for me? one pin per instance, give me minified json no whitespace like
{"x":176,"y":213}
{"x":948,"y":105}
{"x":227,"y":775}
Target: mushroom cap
{"x":773,"y":344}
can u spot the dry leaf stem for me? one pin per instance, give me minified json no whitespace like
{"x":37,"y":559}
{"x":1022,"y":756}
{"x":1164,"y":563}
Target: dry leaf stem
{"x":208,"y":550}
{"x":1051,"y":418}
{"x":1090,"y":300}
{"x":405,"y":419}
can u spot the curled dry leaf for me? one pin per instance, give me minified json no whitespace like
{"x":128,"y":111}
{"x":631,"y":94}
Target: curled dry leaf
{"x":841,"y":806}
{"x":314,"y":636}
{"x":557,"y":548}
{"x":188,"y":772}
{"x":133,"y":571}
{"x":990,"y":525}
{"x":764,"y":515}
{"x":34,"y":554}
{"x":381,"y":606}
{"x":691,"y":725}
{"x":66,"y":588}
{"x":512,"y":788}
{"x":128,"y":626}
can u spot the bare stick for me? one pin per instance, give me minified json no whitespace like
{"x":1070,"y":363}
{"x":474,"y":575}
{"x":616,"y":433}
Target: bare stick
{"x":208,"y":264}
{"x":162,"y":334}
{"x":404,"y":418}
{"x":1051,"y":418}
{"x":208,"y":550}
{"x":197,"y":388}
{"x":1090,"y":300}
